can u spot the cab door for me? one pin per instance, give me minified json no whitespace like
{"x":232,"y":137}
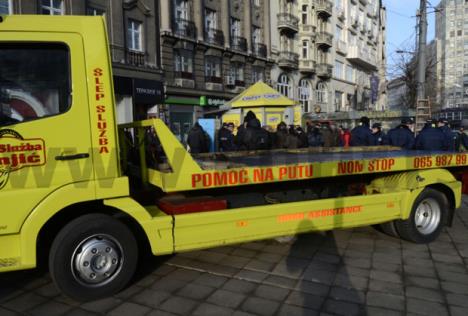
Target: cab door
{"x":45,"y":138}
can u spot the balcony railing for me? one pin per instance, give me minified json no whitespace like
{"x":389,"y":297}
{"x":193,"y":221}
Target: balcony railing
{"x":324,"y":70}
{"x":341,"y":47}
{"x":324,"y":39}
{"x":259,"y":50}
{"x":183,"y":74}
{"x":239,"y":43}
{"x":362,"y":56}
{"x":309,"y":29}
{"x":184,"y":28}
{"x":324,"y":7}
{"x":288,"y":60}
{"x":287,"y":21}
{"x":214,"y":37}
{"x":135,"y":58}
{"x":307,"y":65}
{"x":213,"y":79}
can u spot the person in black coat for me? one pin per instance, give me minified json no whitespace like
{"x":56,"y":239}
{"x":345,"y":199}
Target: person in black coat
{"x":402,"y":136}
{"x":450,"y":136}
{"x":378,"y":136}
{"x":361,"y":135}
{"x":198,"y":140}
{"x":241,"y":129}
{"x":255,"y":137}
{"x":431,"y":138}
{"x":226,"y":138}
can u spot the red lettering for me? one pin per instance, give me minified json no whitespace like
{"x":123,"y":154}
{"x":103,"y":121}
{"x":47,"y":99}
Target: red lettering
{"x":99,"y":96}
{"x":103,"y":150}
{"x":98,"y":72}
{"x":103,"y":141}
{"x":100,"y":108}
{"x":195,"y":179}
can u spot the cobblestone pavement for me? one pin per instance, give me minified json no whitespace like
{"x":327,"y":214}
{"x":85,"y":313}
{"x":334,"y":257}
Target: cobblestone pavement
{"x":346,"y":272}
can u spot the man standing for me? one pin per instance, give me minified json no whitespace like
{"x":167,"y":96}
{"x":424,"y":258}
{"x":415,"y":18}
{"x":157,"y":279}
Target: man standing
{"x":402,"y":136}
{"x":450,"y":137}
{"x":378,"y":136}
{"x":226,"y":138}
{"x":361,"y":135}
{"x":431,"y":138}
{"x":198,"y":140}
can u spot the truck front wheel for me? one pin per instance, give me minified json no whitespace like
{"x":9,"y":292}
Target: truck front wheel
{"x":428,"y":217}
{"x":92,"y":257}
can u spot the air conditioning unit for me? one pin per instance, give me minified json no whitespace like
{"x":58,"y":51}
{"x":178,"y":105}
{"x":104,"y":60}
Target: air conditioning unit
{"x":184,"y":83}
{"x":213,"y":86}
{"x":230,"y":81}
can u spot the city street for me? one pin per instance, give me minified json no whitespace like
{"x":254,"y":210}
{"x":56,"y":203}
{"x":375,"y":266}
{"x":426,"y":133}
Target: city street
{"x":349,"y":272}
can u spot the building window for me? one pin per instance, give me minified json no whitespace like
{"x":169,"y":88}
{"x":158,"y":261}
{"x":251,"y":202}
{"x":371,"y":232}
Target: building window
{"x":338,"y":33}
{"x":256,"y":35}
{"x":349,"y":73}
{"x":305,"y":49}
{"x":322,"y":93}
{"x":134,"y":36}
{"x":183,"y":61}
{"x":52,"y":7}
{"x":181,"y":10}
{"x":235,"y":27}
{"x":256,"y":3}
{"x":237,"y":73}
{"x":305,"y":14}
{"x":95,"y":11}
{"x":211,"y":22}
{"x":305,"y":95}
{"x":338,"y":69}
{"x":5,"y":7}
{"x":213,"y":69}
{"x":284,"y":85}
{"x":258,"y":74}
{"x":338,"y":100}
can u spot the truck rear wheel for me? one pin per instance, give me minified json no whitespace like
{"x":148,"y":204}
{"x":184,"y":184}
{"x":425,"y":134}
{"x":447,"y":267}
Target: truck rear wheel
{"x":93,"y":256}
{"x":428,"y":217}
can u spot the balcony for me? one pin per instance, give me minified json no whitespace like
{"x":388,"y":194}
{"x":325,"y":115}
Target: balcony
{"x":354,"y":22}
{"x":364,"y":2}
{"x":341,"y":47}
{"x":214,"y":37}
{"x":259,"y":50}
{"x":308,"y":29}
{"x":324,"y":39}
{"x":184,"y":28}
{"x":288,"y":60}
{"x":288,"y":22}
{"x":324,"y":70}
{"x":239,"y":43}
{"x":324,"y":8}
{"x":340,"y":13}
{"x":135,"y":58}
{"x":362,"y":56}
{"x":307,"y":66}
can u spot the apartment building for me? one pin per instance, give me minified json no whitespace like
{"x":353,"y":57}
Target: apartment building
{"x":330,"y":55}
{"x":211,"y":51}
{"x":452,"y":54}
{"x":135,"y":53}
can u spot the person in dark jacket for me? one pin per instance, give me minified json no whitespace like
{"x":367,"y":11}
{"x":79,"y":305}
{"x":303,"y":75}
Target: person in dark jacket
{"x":314,"y":136}
{"x":361,"y":135}
{"x":226,"y":138}
{"x":450,"y":137}
{"x":281,"y":136}
{"x":402,"y":136}
{"x":301,"y":135}
{"x":378,"y":136}
{"x":431,"y":138}
{"x":198,"y":140}
{"x":255,"y":137}
{"x":327,"y":135}
{"x":241,"y":129}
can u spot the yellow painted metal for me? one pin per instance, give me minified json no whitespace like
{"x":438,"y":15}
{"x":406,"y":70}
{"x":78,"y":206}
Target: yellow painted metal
{"x":260,"y":95}
{"x":10,"y":253}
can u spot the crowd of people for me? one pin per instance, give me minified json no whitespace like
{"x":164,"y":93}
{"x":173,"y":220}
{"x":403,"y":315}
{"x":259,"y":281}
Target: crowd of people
{"x":436,"y":135}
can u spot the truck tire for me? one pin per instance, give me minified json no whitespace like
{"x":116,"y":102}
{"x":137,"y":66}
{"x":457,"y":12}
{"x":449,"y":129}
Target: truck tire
{"x":427,"y":218}
{"x":387,"y":228}
{"x":92,"y":257}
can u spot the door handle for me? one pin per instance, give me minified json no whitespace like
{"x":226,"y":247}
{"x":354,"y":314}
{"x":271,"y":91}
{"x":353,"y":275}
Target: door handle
{"x":72,"y":157}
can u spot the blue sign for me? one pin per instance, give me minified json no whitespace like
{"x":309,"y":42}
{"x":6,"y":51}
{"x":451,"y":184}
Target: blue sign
{"x":374,"y":83}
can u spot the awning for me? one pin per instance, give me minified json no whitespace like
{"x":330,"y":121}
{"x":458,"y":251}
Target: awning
{"x":260,"y":94}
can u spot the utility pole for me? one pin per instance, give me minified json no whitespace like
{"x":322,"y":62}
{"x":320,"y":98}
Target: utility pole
{"x":423,"y":109}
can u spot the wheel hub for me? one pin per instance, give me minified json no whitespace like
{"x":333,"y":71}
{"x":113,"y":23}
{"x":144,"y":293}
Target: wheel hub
{"x":97,"y":260}
{"x":427,"y":216}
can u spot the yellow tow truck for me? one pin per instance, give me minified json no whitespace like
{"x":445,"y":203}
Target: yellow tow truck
{"x":86,"y":194}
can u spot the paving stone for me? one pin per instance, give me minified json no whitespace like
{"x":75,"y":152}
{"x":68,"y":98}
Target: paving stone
{"x":269,"y":257}
{"x":319,"y":276}
{"x":421,"y":307}
{"x":346,"y":270}
{"x":291,"y":310}
{"x":212,"y":257}
{"x":383,"y":258}
{"x":312,"y":288}
{"x":239,"y":286}
{"x":129,"y":309}
{"x":352,"y":282}
{"x":384,"y":300}
{"x":151,"y":298}
{"x":327,"y":258}
{"x":185,"y":275}
{"x":452,"y":276}
{"x":211,"y":280}
{"x":165,"y":269}
{"x":457,"y":268}
{"x":195,"y":291}
{"x":6,"y":312}
{"x":358,"y":262}
{"x":377,"y":311}
{"x":226,"y":298}
{"x":457,"y":299}
{"x":178,"y":305}
{"x":454,"y":287}
{"x":242,"y":313}
{"x":342,"y":308}
{"x":305,"y":300}
{"x":458,"y":311}
{"x":206,"y":309}
{"x":160,"y":313}
{"x":24,"y":302}
{"x":148,"y":280}
{"x":424,"y":294}
{"x":50,"y":308}
{"x":386,"y":276}
{"x":271,"y":292}
{"x":256,"y":245}
{"x":348,"y":295}
{"x":431,"y":283}
{"x":260,"y":306}
{"x":235,"y":262}
{"x":129,"y":292}
{"x":244,"y":253}
{"x":278,"y":280}
{"x":48,"y":290}
{"x":419,"y":262}
{"x":259,"y":265}
{"x":102,"y":306}
{"x":426,"y":272}
{"x":250,"y":275}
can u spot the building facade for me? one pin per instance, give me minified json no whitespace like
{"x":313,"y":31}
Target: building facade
{"x":330,"y":55}
{"x":134,"y":49}
{"x":452,"y":54}
{"x":211,"y":51}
